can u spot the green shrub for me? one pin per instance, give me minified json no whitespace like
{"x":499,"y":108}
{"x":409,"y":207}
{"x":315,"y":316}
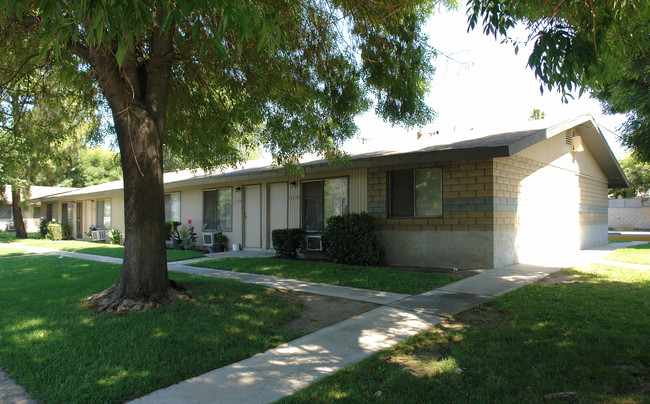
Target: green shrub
{"x":54,"y":231}
{"x":66,"y":231}
{"x":350,"y":239}
{"x":170,"y":226}
{"x":220,"y":238}
{"x":42,"y":227}
{"x":288,"y":242}
{"x":114,"y":236}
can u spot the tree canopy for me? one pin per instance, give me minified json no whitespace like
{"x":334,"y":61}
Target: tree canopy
{"x":41,"y":110}
{"x":598,"y":46}
{"x":79,"y":165}
{"x":211,"y":81}
{"x":638,"y":173}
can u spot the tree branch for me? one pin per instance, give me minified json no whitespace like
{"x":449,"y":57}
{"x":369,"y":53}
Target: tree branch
{"x":162,"y":46}
{"x":80,"y":51}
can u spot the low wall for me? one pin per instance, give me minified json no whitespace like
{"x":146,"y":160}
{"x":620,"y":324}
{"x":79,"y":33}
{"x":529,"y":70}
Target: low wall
{"x":629,"y":214}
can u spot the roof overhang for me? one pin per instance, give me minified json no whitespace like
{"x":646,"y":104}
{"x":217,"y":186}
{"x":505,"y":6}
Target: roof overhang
{"x":504,"y":144}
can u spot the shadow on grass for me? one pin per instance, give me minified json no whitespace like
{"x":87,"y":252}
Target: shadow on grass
{"x":62,"y":352}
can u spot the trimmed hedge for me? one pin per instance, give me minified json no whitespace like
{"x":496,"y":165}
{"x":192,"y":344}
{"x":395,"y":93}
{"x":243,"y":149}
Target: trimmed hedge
{"x":288,"y":242}
{"x":54,"y":231}
{"x":350,"y":239}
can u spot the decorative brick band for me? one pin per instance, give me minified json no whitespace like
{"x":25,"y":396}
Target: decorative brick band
{"x":376,"y":208}
{"x":597,"y":209}
{"x":467,"y":204}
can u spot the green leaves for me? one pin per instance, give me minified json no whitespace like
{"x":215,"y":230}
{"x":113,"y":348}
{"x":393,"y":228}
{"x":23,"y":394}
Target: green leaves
{"x":601,"y":47}
{"x":290,"y":76}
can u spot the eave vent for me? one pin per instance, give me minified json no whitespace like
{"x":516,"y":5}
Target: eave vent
{"x":569,"y":137}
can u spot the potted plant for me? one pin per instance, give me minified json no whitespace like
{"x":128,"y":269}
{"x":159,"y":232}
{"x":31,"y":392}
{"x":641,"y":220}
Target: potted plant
{"x":219,"y":240}
{"x":176,"y":237}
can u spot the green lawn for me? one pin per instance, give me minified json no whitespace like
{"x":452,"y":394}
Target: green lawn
{"x":11,"y":252}
{"x":10,"y":237}
{"x":64,"y":353}
{"x":105,"y":250}
{"x":638,"y":254}
{"x":384,"y":279}
{"x":590,"y":336}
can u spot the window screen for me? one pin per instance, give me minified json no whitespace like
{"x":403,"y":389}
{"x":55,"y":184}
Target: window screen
{"x":103,"y":214}
{"x":217,"y":209}
{"x":173,"y":207}
{"x":416,"y":193}
{"x":312,"y":206}
{"x":401,"y":192}
{"x":321,"y":200}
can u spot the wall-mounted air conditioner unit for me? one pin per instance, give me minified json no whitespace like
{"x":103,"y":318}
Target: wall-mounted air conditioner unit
{"x":314,"y":243}
{"x":209,"y":239}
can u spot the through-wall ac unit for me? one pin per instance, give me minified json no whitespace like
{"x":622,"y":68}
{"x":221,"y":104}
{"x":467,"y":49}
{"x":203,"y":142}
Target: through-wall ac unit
{"x":314,"y":243}
{"x":209,"y":239}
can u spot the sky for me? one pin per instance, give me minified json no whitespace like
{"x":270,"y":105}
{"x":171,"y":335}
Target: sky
{"x":479,"y":84}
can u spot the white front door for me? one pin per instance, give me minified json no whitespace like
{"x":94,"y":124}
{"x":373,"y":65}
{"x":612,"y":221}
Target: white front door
{"x":278,"y":208}
{"x":252,"y":216}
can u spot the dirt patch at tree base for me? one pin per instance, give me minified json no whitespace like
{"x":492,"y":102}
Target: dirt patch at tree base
{"x":322,"y":311}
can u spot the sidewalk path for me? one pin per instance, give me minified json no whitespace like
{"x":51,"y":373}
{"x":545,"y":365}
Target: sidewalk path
{"x":271,"y":375}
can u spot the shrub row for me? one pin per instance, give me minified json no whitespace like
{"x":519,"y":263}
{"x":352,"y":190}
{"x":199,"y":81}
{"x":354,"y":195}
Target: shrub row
{"x":288,"y":242}
{"x":349,"y":239}
{"x":55,"y":231}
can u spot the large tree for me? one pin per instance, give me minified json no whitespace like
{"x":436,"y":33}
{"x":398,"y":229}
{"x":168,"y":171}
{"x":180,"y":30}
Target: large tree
{"x":210,"y":79}
{"x":598,"y":46}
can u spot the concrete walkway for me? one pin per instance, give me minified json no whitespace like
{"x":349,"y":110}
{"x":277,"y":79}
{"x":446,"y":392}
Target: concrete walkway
{"x":271,"y":375}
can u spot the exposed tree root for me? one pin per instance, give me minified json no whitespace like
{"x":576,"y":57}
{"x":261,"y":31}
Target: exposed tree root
{"x":110,"y":300}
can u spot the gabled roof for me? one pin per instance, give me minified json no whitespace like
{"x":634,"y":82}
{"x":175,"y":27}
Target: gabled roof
{"x":471,"y":145}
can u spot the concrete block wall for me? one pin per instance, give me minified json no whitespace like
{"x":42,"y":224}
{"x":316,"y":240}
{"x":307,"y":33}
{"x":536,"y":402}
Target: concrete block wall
{"x":541,"y":207}
{"x":466,"y":198}
{"x":461,"y":237}
{"x":629,"y":214}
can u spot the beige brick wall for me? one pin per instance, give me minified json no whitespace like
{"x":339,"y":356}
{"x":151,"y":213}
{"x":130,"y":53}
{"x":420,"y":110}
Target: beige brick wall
{"x":466,"y":189}
{"x":500,"y":191}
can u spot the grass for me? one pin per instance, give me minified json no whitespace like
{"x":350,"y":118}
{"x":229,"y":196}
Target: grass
{"x":638,"y":254}
{"x":87,"y":247}
{"x":10,"y":237}
{"x":11,"y":252}
{"x":590,"y":335}
{"x":64,"y":353}
{"x":384,"y":279}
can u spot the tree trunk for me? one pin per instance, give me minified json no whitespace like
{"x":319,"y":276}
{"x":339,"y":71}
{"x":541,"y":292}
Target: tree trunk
{"x":19,"y":224}
{"x":137,"y":95}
